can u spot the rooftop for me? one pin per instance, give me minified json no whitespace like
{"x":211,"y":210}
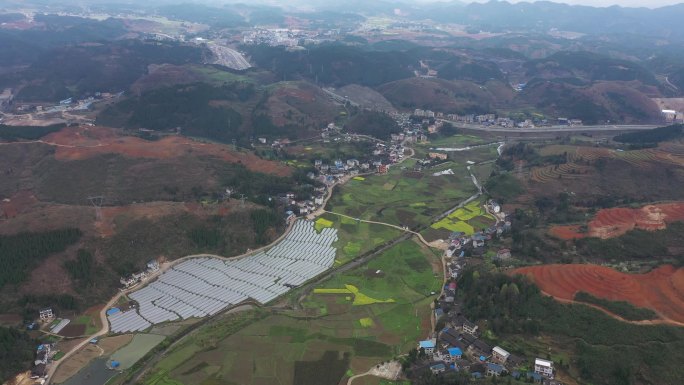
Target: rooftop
{"x":455,"y":352}
{"x":542,"y":362}
{"x":427,"y":344}
{"x":500,"y":351}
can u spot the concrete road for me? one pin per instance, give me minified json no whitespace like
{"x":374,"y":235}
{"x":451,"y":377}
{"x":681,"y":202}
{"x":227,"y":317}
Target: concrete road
{"x":568,"y":129}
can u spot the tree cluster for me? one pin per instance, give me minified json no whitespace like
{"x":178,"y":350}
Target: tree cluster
{"x":19,"y":253}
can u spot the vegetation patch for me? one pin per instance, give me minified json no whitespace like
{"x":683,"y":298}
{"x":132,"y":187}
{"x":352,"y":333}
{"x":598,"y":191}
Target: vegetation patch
{"x":322,"y":223}
{"x":513,"y":306}
{"x":359,"y":298}
{"x":327,"y":370}
{"x":367,"y":322}
{"x":19,"y":253}
{"x":359,"y":178}
{"x":16,"y":133}
{"x":465,"y":219}
{"x":134,"y":351}
{"x":162,"y":378}
{"x":504,"y":187}
{"x":623,"y":309}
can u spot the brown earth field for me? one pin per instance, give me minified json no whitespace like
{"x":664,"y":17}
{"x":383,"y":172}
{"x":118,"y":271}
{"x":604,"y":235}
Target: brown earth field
{"x":84,"y":142}
{"x":648,"y":175}
{"x":661,"y":290}
{"x":79,"y":360}
{"x":613,"y":222}
{"x":23,"y":212}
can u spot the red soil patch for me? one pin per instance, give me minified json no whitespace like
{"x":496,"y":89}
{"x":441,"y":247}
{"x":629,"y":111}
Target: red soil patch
{"x":610,"y":223}
{"x":567,"y":232}
{"x":77,"y":143}
{"x":18,"y":203}
{"x":661,"y":290}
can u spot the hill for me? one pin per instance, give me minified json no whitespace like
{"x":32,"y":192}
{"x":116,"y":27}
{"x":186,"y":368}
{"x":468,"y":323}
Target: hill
{"x":460,"y":97}
{"x":97,"y":67}
{"x":626,"y":102}
{"x":226,"y":111}
{"x":296,"y":108}
{"x":151,"y":192}
{"x":334,"y":64}
{"x":373,"y":123}
{"x":588,"y":67}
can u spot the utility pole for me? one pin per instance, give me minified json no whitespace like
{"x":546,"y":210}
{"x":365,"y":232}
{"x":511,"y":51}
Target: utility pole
{"x":97,"y":202}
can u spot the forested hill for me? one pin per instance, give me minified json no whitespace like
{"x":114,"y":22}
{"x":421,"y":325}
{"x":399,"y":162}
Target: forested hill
{"x":16,"y":352}
{"x":335,"y":64}
{"x":20,"y":253}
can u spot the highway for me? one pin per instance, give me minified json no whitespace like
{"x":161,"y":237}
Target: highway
{"x":548,"y":129}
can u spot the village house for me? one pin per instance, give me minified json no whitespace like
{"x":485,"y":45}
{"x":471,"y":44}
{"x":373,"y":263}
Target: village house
{"x":438,"y":367}
{"x":503,"y":254}
{"x":152,"y":266}
{"x":515,"y":361}
{"x":454,"y":354}
{"x":543,"y":367}
{"x":500,"y":355}
{"x":428,"y":346}
{"x":462,"y":364}
{"x":479,"y":348}
{"x":479,"y":239}
{"x":438,"y":155}
{"x":469,"y":327}
{"x":494,"y":370}
{"x":46,"y":314}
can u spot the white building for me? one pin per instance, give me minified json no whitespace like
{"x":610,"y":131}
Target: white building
{"x":46,"y":314}
{"x":500,"y":355}
{"x":543,"y":367}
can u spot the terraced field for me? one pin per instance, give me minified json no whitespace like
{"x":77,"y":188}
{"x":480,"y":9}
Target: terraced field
{"x":613,"y":222}
{"x":563,"y":171}
{"x":661,"y":290}
{"x":580,"y":159}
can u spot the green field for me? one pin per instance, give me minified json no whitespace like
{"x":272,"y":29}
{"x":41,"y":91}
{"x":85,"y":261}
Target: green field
{"x":87,"y":320}
{"x":467,"y":219}
{"x":136,"y":349}
{"x":322,"y":341}
{"x":404,"y":197}
{"x":356,"y":238}
{"x":456,"y":141}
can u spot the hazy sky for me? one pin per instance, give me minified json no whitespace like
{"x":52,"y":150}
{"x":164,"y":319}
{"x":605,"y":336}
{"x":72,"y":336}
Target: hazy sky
{"x":606,"y":3}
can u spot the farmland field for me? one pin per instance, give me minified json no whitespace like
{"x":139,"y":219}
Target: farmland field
{"x":468,"y":220}
{"x":356,"y":238}
{"x":326,"y":340}
{"x":659,"y":290}
{"x":404,"y":197}
{"x":134,"y":351}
